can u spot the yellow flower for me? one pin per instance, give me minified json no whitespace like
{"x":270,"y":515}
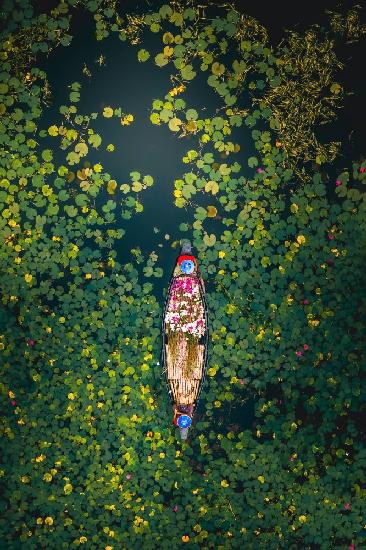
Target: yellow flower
{"x":67,"y":488}
{"x":40,"y":458}
{"x":194,"y":491}
{"x":108,"y":548}
{"x":161,"y":455}
{"x":47,"y":477}
{"x":126,"y":120}
{"x":56,"y":238}
{"x":224,"y":483}
{"x":39,"y":521}
{"x":261,"y":479}
{"x":300,"y":239}
{"x":82,"y":540}
{"x":88,"y":275}
{"x":185,"y":538}
{"x":71,"y":396}
{"x":62,"y":319}
{"x":177,"y":193}
{"x":251,"y":242}
{"x":11,"y":394}
{"x":302,"y":519}
{"x":28,"y":277}
{"x":138,"y":520}
{"x":221,"y":254}
{"x":48,"y":520}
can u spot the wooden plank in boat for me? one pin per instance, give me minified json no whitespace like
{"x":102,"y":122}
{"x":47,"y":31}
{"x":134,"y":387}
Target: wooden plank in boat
{"x":184,"y":391}
{"x":175,"y":369}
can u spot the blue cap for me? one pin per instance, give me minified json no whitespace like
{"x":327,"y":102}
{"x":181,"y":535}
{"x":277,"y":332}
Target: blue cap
{"x":184,"y":421}
{"x":187,"y":266}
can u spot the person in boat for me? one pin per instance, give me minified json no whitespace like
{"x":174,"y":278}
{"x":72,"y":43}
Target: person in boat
{"x":181,"y":409}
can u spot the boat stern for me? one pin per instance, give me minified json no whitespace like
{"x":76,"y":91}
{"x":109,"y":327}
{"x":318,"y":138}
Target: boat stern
{"x":183,"y":433}
{"x":186,"y":247}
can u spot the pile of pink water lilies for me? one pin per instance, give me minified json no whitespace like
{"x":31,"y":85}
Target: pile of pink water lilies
{"x":185,"y":313}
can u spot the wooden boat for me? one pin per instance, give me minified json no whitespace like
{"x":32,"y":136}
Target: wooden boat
{"x":185,"y":338}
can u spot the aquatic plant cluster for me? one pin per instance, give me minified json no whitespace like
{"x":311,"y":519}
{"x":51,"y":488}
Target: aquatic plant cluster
{"x":88,"y":454}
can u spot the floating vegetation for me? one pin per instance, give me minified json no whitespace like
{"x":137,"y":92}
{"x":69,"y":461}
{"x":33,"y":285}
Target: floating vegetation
{"x":88,"y":452}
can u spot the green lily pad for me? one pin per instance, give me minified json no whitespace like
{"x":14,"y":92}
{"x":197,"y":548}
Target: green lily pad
{"x":143,"y":55}
{"x":187,"y":72}
{"x":209,"y":240}
{"x":174,"y":124}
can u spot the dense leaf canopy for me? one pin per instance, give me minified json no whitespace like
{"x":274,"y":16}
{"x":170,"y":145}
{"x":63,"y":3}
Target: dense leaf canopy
{"x":89,"y":454}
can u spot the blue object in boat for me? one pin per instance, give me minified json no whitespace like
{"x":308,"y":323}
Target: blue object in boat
{"x":184,"y":421}
{"x":187,"y":266}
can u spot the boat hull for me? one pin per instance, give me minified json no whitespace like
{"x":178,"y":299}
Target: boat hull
{"x":184,"y":370}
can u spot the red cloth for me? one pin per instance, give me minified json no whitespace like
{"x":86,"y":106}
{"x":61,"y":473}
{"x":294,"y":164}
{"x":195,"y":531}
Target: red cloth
{"x":175,"y":420}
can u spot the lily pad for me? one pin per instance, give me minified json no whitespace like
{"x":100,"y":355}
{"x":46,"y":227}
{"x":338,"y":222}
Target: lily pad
{"x":209,"y":240}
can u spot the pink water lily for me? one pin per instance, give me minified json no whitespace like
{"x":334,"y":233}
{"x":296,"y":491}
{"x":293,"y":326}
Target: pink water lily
{"x":347,"y":506}
{"x":242,"y":381}
{"x":175,"y":508}
{"x":362,"y":169}
{"x":128,"y":476}
{"x":351,"y":547}
{"x":330,"y":236}
{"x":185,"y":312}
{"x":13,"y":402}
{"x":260,"y":170}
{"x":306,"y":347}
{"x":305,"y":302}
{"x":298,"y":353}
{"x":338,"y":183}
{"x":31,"y":342}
